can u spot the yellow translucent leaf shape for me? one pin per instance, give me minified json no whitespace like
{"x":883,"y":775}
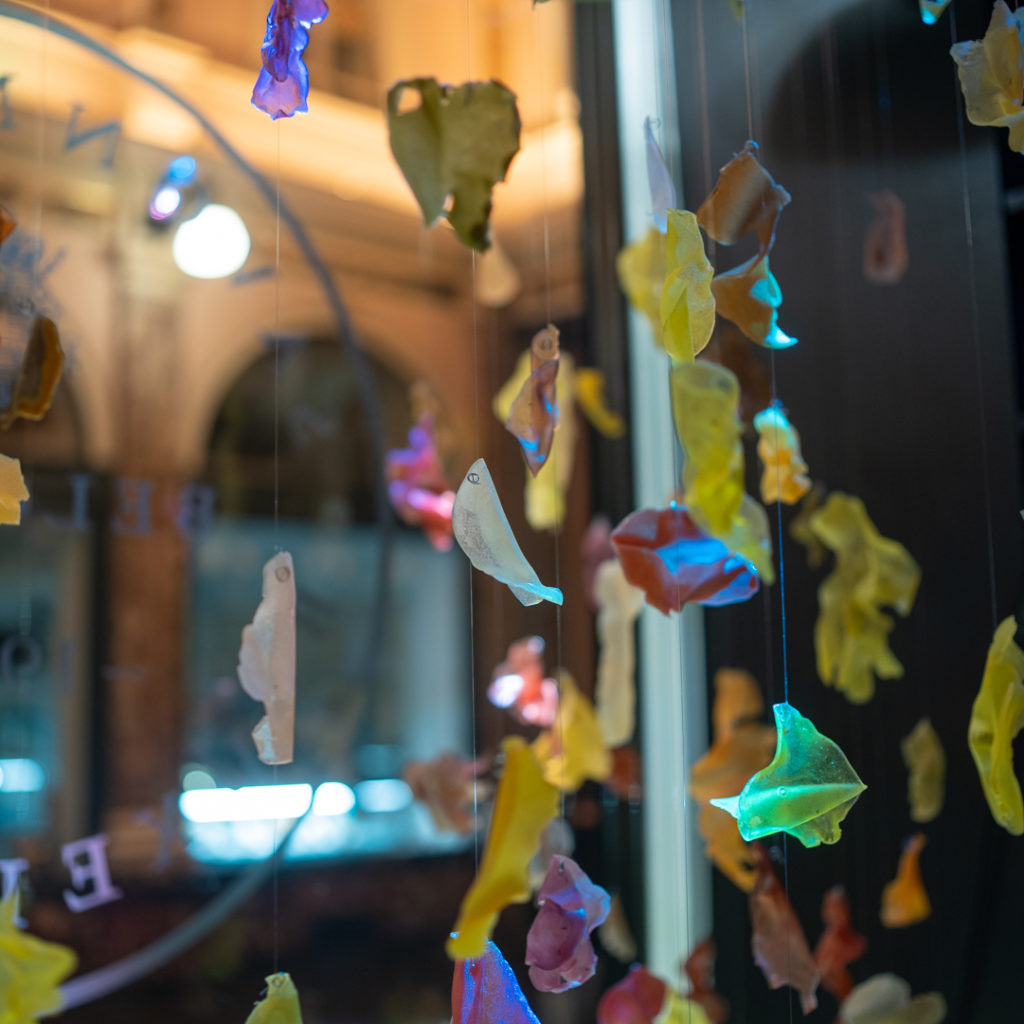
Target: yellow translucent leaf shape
{"x":737,"y":700}
{"x":904,"y":899}
{"x":750,"y":297}
{"x":38,"y":374}
{"x":991,"y":74}
{"x":523,"y":806}
{"x":851,"y":635}
{"x":704,"y":400}
{"x":266,"y":661}
{"x":885,"y":999}
{"x":31,"y":970}
{"x":573,"y":748}
{"x":677,"y":1009}
{"x":12,"y":491}
{"x":618,"y":605}
{"x":589,"y":385}
{"x":280,"y":1005}
{"x":482,"y":531}
{"x":705,"y":397}
{"x":800,"y":528}
{"x":926,"y":766}
{"x":457,"y":141}
{"x":641,"y":270}
{"x":807,"y":790}
{"x":745,"y":198}
{"x":997,"y":716}
{"x":784,"y":477}
{"x":687,"y":307}
{"x":545,"y":495}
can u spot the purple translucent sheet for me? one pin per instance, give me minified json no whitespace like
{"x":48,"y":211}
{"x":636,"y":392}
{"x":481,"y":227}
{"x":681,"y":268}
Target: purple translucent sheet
{"x":283,"y":83}
{"x":558,"y":948}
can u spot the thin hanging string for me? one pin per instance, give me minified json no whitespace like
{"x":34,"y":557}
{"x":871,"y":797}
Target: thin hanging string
{"x":275,"y":873}
{"x":752,"y":85}
{"x":972,"y":278}
{"x":560,"y":512}
{"x":476,"y":444}
{"x":705,"y":118}
{"x":685,"y":930}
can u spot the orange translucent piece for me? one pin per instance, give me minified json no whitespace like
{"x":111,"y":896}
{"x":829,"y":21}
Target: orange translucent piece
{"x":904,"y":899}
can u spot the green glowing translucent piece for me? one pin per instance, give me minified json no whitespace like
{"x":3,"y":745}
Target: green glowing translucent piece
{"x":807,"y":790}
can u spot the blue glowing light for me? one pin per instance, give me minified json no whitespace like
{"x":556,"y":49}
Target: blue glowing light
{"x":182,"y":169}
{"x":21,"y":775}
{"x":383,"y":796}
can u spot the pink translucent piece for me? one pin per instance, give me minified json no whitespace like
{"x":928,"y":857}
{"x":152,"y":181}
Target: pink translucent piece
{"x":417,"y":487}
{"x":558,"y":947}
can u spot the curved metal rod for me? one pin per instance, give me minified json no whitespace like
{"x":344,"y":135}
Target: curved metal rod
{"x":120,"y":973}
{"x":365,"y":386}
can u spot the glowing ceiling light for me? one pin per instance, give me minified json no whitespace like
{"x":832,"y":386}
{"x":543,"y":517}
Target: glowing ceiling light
{"x":165,"y":203}
{"x":214,"y":243}
{"x":383,"y":796}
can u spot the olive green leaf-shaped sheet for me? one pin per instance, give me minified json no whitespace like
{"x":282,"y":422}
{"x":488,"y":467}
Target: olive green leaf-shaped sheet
{"x":458,"y":142}
{"x":807,"y":790}
{"x":997,"y":715}
{"x":281,"y":1003}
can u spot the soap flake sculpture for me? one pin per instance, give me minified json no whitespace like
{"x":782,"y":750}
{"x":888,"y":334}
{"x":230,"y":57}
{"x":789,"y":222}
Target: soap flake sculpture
{"x":926,"y":767}
{"x":885,"y":241}
{"x":750,"y":297}
{"x":641,"y":270}
{"x":745,"y":198}
{"x":523,"y":805}
{"x":559,"y":952}
{"x":807,"y":790}
{"x":931,"y":10}
{"x":728,"y":348}
{"x":997,"y":716}
{"x":12,"y":491}
{"x":991,"y":74}
{"x":663,"y":192}
{"x":282,"y":87}
{"x":616,"y":935}
{"x":784,"y":475}
{"x":453,"y":147}
{"x":266,"y":661}
{"x":482,"y":531}
{"x":800,"y":528}
{"x":674,"y":562}
{"x":619,"y":603}
{"x":31,"y":969}
{"x":686,"y":307}
{"x":417,"y":487}
{"x":904,"y":899}
{"x":779,"y":944}
{"x":636,"y":999}
{"x":544,"y":499}
{"x":741,"y":747}
{"x":38,"y":374}
{"x":533,"y":418}
{"x":520,"y":686}
{"x":871,"y":572}
{"x":704,"y":401}
{"x":280,"y":1005}
{"x":885,"y":999}
{"x":573,"y":750}
{"x":449,"y":788}
{"x":700,"y":972}
{"x":7,"y":223}
{"x":589,"y":388}
{"x":485,"y":991}
{"x":839,"y":944}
